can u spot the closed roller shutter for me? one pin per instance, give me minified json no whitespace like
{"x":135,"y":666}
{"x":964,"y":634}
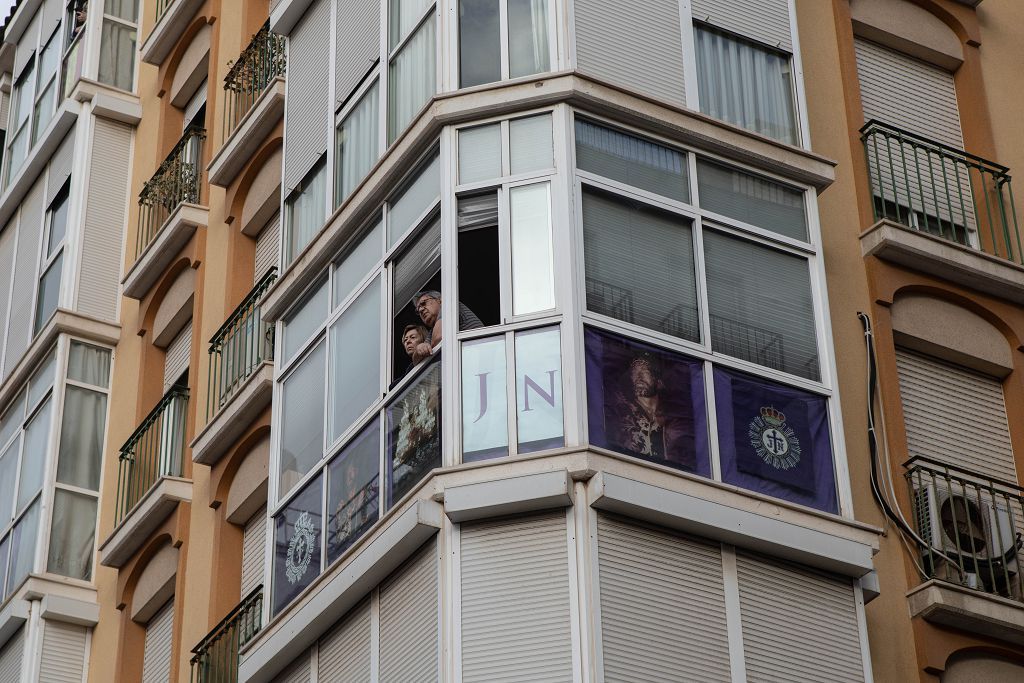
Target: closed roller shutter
{"x":156,"y":657}
{"x":662,"y":606}
{"x":798,"y":626}
{"x":60,"y":167}
{"x":344,"y":653}
{"x":26,"y":265}
{"x":254,"y":538}
{"x":8,"y":239}
{"x":176,"y":355}
{"x":408,"y":621}
{"x":954,"y":415}
{"x":764,"y":20}
{"x":515,"y":601}
{"x":268,"y":245}
{"x":63,"y":658}
{"x":307,"y":110}
{"x":297,"y":671}
{"x":106,"y":202}
{"x":10,"y":658}
{"x":634,"y":45}
{"x":358,"y":44}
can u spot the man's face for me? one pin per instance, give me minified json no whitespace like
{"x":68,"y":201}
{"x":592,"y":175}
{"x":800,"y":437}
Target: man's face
{"x":411,"y":339}
{"x":643,"y":380}
{"x":429,"y":309}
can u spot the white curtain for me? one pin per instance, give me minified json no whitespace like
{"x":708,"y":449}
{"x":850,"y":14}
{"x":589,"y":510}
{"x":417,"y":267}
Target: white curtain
{"x":81,"y":441}
{"x":411,"y":79}
{"x":307,"y":210}
{"x":404,"y":16}
{"x":117,"y":54}
{"x":529,"y":51}
{"x":72,"y":535}
{"x":357,"y":144}
{"x":745,"y":85}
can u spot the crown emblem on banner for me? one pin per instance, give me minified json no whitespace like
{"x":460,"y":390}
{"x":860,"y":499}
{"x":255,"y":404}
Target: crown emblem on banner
{"x":773,"y":416}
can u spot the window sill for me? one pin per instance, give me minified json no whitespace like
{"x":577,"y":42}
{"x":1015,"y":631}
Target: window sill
{"x":172,"y":236}
{"x":108,"y":102}
{"x":231,"y":421}
{"x":168,"y":31}
{"x":158,"y":503}
{"x":249,"y":135}
{"x":969,"y":610}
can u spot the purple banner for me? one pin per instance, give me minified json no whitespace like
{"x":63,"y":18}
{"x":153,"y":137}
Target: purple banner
{"x":775,"y":440}
{"x":646,"y":402}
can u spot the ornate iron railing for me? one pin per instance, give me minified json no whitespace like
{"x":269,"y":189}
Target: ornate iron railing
{"x":161,"y":8}
{"x":215,"y":658}
{"x":261,"y":62}
{"x":241,"y":344}
{"x":176,"y":182}
{"x":935,"y":188}
{"x":971,"y":524}
{"x":156,"y":449}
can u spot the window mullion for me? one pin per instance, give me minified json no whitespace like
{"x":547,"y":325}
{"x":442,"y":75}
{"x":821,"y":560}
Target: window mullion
{"x":503,"y":33}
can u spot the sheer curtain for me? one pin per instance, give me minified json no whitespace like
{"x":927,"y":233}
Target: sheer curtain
{"x":307,"y":208}
{"x":81,"y":441}
{"x":411,"y":81}
{"x":529,"y":50}
{"x":357,"y":142}
{"x":745,"y":84}
{"x":72,"y":535}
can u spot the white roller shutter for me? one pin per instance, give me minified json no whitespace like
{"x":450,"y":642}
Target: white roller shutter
{"x":156,"y":657}
{"x":515,"y":601}
{"x":298,"y":671}
{"x":798,"y":626}
{"x":358,"y":43}
{"x":63,"y":658}
{"x":955,"y":415}
{"x":307,"y":110}
{"x":60,"y":168}
{"x":8,"y":238}
{"x":662,"y":606}
{"x":267,"y":247}
{"x":11,"y":655}
{"x":176,"y":355}
{"x":254,"y":538}
{"x":764,"y":20}
{"x":408,"y":621}
{"x":344,"y":653}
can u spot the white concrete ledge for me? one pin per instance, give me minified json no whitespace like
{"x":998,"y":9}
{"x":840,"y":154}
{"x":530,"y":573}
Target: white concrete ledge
{"x":235,"y":417}
{"x":970,"y":610}
{"x":70,"y":611}
{"x":284,"y":14}
{"x":249,"y":135}
{"x":38,"y":157}
{"x":149,"y":513}
{"x":714,"y":520}
{"x":109,"y":102}
{"x":340,"y":589}
{"x":942,"y":258}
{"x":168,"y":30}
{"x":12,"y":617}
{"x":172,"y":236}
{"x":515,"y":495}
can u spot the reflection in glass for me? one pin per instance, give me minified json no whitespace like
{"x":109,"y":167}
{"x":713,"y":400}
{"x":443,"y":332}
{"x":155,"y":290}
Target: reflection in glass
{"x":354,"y":484}
{"x":298,"y":532}
{"x":49,"y":290}
{"x":533,"y":279}
{"x":350,"y":271}
{"x":37,"y":437}
{"x":355,"y":360}
{"x":530,"y":146}
{"x":23,"y":547}
{"x":11,"y":421}
{"x":539,"y":389}
{"x":480,"y":153}
{"x":72,"y":535}
{"x":528,"y":49}
{"x":8,"y":477}
{"x":484,"y":399}
{"x":752,"y":199}
{"x":5,"y":547}
{"x":42,"y":380}
{"x":414,"y":433}
{"x":300,"y":324}
{"x":479,"y":42}
{"x":302,"y":419}
{"x":414,"y":200}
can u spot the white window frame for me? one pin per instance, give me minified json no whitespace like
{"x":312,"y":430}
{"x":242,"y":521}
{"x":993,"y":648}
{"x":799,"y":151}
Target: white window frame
{"x":456,"y":51}
{"x":114,"y":19}
{"x":50,"y":253}
{"x":388,"y":55}
{"x":373,"y":78}
{"x":53,"y":41}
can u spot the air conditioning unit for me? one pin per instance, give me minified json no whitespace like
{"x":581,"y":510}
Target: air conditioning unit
{"x":960,"y":523}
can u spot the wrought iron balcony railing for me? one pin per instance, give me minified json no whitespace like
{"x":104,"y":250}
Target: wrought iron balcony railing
{"x":161,"y":8}
{"x":261,"y":62}
{"x":156,"y":449}
{"x":941,"y":190}
{"x":215,"y":658}
{"x":972,"y":524}
{"x":239,"y":346}
{"x":176,"y":182}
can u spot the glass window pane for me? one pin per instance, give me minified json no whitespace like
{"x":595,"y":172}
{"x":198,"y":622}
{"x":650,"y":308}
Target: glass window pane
{"x":8,"y":477}
{"x":533,"y":278}
{"x":5,"y":547}
{"x":350,"y":271}
{"x":411,"y":79}
{"x":646,"y":402}
{"x":123,"y":9}
{"x":639,"y":264}
{"x":12,"y":419}
{"x":479,"y":42}
{"x":760,"y":305}
{"x":72,"y":535}
{"x":23,"y":95}
{"x":306,"y":211}
{"x":49,"y":290}
{"x":479,"y":260}
{"x":117,"y":54}
{"x":530,"y":146}
{"x":23,"y":547}
{"x":631,"y":160}
{"x":44,"y":110}
{"x":745,"y":84}
{"x":49,"y":58}
{"x":414,"y":433}
{"x":89,"y":364}
{"x":528,"y":47}
{"x":484,"y":399}
{"x":752,"y":199}
{"x":58,"y":221}
{"x":355,"y":360}
{"x":301,"y":324}
{"x":405,"y":209}
{"x":354,"y":485}
{"x":480,"y":153}
{"x":19,"y":148}
{"x":775,"y":440}
{"x":418,"y":266}
{"x":81,"y":438}
{"x":37,"y":438}
{"x":302,"y":419}
{"x":404,"y":16}
{"x":358,"y":144}
{"x":297,"y":539}
{"x":42,"y":380}
{"x":539,"y":389}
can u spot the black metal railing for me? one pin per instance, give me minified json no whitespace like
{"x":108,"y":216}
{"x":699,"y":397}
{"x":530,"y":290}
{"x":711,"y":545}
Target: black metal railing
{"x":941,"y":190}
{"x":176,"y":182}
{"x":971,"y":524}
{"x":241,"y":344}
{"x":261,"y":62}
{"x":215,"y":658}
{"x":156,"y":449}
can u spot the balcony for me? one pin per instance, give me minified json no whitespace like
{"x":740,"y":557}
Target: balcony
{"x":215,"y":658}
{"x":241,"y":379}
{"x":171,"y":18}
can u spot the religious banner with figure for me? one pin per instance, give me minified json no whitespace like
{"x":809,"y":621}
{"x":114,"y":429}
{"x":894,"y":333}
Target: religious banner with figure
{"x":297,"y":539}
{"x":414,"y":432}
{"x":646,"y":402}
{"x":775,"y":439}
